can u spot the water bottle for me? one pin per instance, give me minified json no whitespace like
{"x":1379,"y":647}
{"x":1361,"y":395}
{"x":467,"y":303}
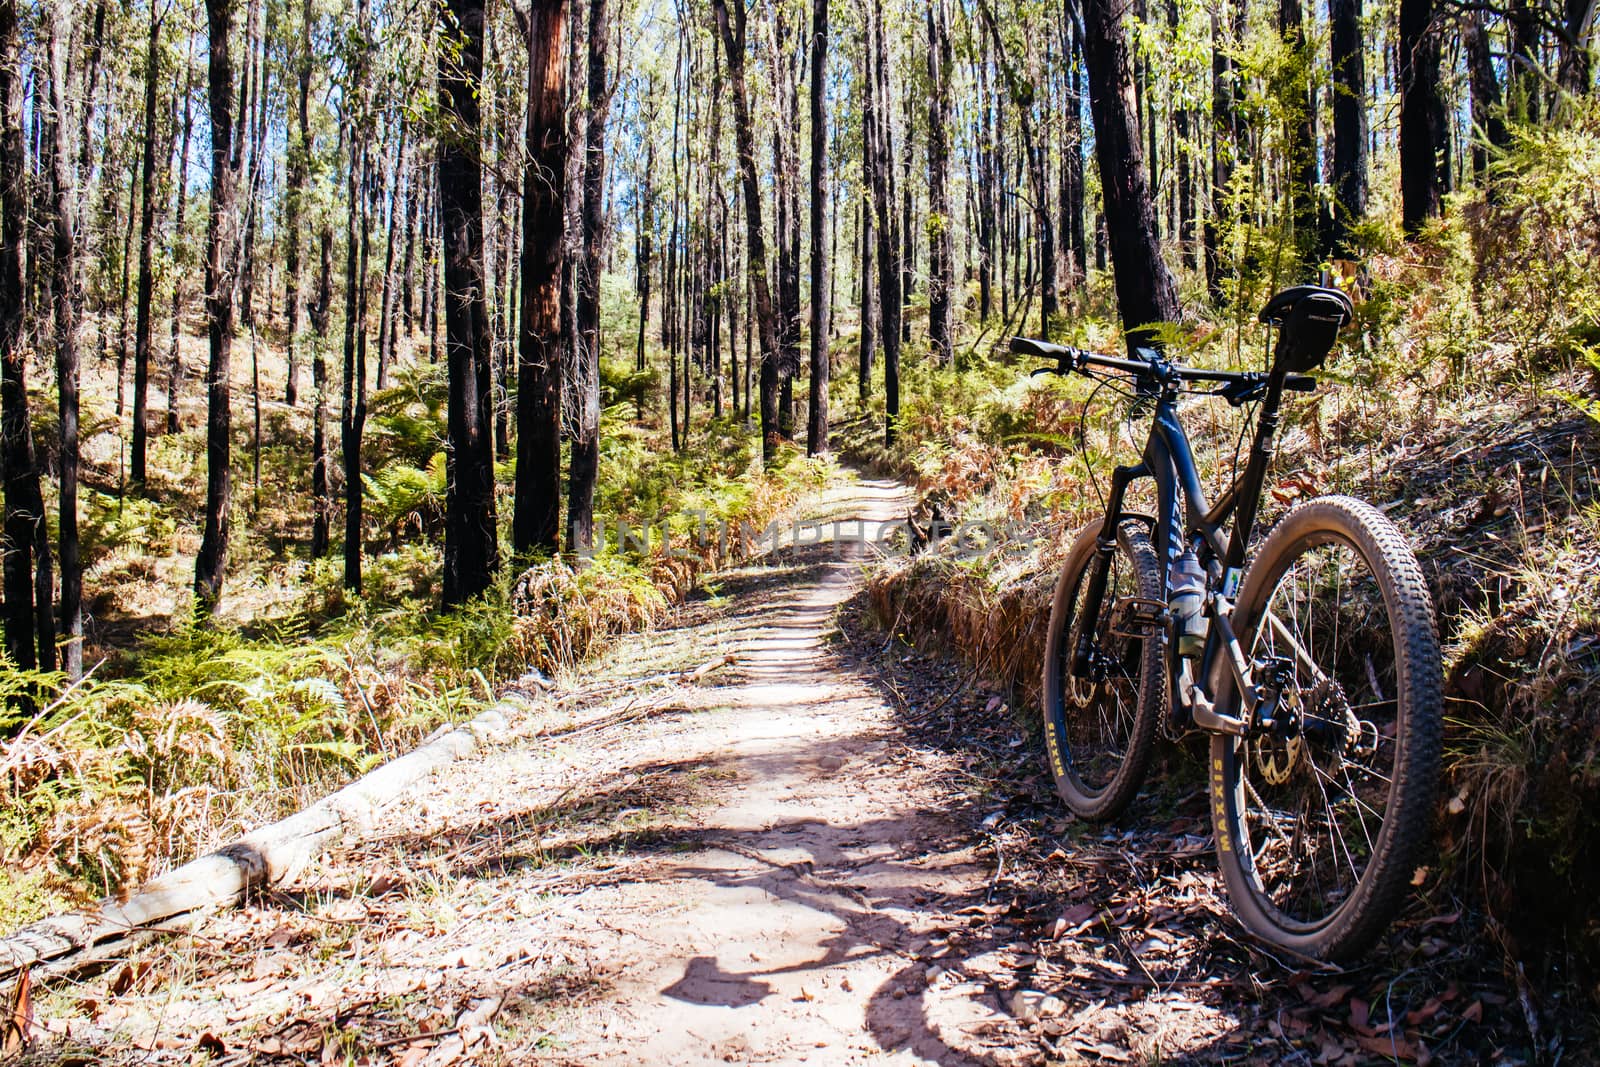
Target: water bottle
{"x":1186,"y":594}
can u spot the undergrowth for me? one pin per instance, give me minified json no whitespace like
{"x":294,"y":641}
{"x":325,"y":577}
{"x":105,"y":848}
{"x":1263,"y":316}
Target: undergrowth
{"x":184,"y":735}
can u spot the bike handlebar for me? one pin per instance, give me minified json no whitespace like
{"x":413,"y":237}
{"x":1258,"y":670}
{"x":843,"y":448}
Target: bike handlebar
{"x":1069,"y":359}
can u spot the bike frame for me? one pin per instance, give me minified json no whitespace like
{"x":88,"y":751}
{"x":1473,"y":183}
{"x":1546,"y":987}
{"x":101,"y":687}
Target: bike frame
{"x":1168,"y":460}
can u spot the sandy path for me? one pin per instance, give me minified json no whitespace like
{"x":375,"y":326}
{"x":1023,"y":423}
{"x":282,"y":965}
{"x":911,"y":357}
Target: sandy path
{"x":790,"y":934}
{"x":757,"y":869}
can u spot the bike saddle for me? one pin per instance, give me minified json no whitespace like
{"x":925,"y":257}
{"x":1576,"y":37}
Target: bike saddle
{"x":1308,"y":318}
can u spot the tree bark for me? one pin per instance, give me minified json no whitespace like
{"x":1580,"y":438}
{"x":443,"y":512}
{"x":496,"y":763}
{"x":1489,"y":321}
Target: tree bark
{"x":1488,"y":114}
{"x":733,"y":40}
{"x":146,"y":286}
{"x":471,"y":555}
{"x":212,"y":562}
{"x":875,"y":119}
{"x":321,"y":494}
{"x":175,"y":357}
{"x":353,"y":410}
{"x":940,"y":253}
{"x":1420,"y":133}
{"x":299,"y":165}
{"x":66,"y":323}
{"x":537,"y":509}
{"x":1146,"y":293}
{"x":585,"y":462}
{"x":1349,"y":123}
{"x":817,"y":423}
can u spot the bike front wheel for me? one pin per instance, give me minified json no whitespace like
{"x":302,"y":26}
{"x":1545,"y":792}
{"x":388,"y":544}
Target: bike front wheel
{"x":1099,"y":726}
{"x":1321,"y":821}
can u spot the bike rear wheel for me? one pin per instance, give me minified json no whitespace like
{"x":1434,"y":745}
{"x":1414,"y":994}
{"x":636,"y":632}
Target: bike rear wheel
{"x":1099,"y":729}
{"x":1320,"y":823}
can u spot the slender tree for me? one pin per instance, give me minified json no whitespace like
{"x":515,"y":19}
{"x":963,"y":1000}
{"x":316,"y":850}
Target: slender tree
{"x":471,"y":555}
{"x":298,"y":168}
{"x":941,"y":269}
{"x":733,"y":42}
{"x":66,"y":323}
{"x":181,"y":180}
{"x":585,"y":460}
{"x":147,"y":239}
{"x":537,"y":509}
{"x":212,"y":563}
{"x":817,"y":424}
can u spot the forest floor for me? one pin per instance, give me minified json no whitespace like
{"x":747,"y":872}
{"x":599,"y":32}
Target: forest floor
{"x":830,"y":849}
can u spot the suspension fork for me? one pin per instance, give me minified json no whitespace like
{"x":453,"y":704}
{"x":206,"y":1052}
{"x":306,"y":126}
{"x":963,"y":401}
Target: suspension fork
{"x":1100,"y":565}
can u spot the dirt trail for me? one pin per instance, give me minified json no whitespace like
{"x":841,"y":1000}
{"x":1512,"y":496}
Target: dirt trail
{"x":748,"y":870}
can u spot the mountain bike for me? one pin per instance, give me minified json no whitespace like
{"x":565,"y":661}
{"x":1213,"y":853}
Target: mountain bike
{"x":1311,"y":660}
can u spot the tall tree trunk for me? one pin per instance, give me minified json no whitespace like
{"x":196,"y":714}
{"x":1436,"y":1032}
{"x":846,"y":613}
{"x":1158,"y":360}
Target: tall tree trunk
{"x":1349,"y":123}
{"x":733,"y":41}
{"x":1488,"y":116}
{"x":1420,"y":134}
{"x":1300,"y":148}
{"x":321,"y":494}
{"x":646,"y":233}
{"x":175,"y":357}
{"x":1223,"y":145}
{"x":1574,"y":71}
{"x":66,"y":322}
{"x":471,"y":555}
{"x":212,"y":562}
{"x":869,"y":304}
{"x":256,"y":114}
{"x":1034,"y":152}
{"x":299,"y":166}
{"x":353,"y":410}
{"x":586,"y":382}
{"x":817,"y":423}
{"x":876,"y":119}
{"x":986,"y":184}
{"x":537,"y":511}
{"x":147,"y":236}
{"x":941,"y":278}
{"x":386,"y":307}
{"x":1146,"y":293}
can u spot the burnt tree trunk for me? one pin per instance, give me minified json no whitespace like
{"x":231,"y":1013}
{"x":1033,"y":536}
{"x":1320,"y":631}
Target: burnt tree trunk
{"x":321,"y":494}
{"x":1349,"y":123}
{"x":585,"y":460}
{"x":66,"y":323}
{"x":1146,"y":293}
{"x":537,"y":511}
{"x":212,"y":562}
{"x":471,"y":555}
{"x":817,"y":424}
{"x":1488,"y":116}
{"x":1420,"y":132}
{"x":147,"y":241}
{"x":875,"y":119}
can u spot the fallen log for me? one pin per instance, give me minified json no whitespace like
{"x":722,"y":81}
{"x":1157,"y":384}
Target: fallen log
{"x":269,"y":854}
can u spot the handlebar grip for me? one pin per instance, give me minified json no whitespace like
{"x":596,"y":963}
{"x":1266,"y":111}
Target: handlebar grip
{"x":1027,"y":346}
